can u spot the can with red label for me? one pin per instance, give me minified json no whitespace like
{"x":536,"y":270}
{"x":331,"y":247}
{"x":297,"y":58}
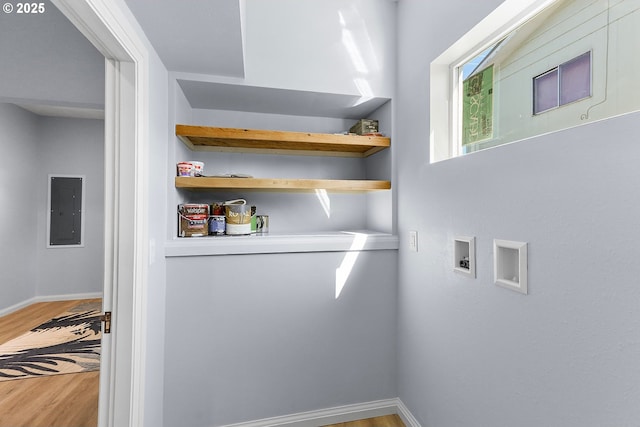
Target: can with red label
{"x":193,"y":220}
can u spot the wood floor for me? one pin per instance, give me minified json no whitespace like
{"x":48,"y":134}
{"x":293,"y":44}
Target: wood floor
{"x":69,"y":400}
{"x":385,"y":421}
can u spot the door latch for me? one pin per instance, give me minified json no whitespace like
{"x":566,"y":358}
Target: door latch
{"x":106,"y":318}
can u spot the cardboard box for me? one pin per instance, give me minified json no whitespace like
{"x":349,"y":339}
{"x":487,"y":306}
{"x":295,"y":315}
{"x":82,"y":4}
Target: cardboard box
{"x":364,"y":126}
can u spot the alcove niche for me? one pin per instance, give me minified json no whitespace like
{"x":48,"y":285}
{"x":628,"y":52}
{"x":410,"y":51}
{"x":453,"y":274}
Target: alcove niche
{"x":510,"y":265}
{"x":310,"y":216}
{"x":464,"y":255}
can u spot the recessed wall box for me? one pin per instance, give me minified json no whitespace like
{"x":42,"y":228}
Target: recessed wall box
{"x":464,"y":255}
{"x":510,"y":265}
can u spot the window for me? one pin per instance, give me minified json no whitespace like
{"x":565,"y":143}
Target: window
{"x":564,"y":84}
{"x":533,"y":67}
{"x":65,"y":223}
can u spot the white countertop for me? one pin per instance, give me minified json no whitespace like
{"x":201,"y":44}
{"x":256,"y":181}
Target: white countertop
{"x":267,"y":243}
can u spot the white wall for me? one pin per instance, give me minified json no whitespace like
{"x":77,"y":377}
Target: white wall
{"x":19,"y":210}
{"x":249,"y":336}
{"x":158,"y":178}
{"x":71,"y":147}
{"x":256,"y":336}
{"x":472,"y":353}
{"x":303,"y":45}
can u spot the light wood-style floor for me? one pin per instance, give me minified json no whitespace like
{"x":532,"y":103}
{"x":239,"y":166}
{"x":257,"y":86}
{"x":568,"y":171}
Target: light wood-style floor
{"x":385,"y":421}
{"x":69,"y":400}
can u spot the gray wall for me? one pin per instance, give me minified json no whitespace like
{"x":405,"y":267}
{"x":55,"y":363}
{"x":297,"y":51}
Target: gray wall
{"x":159,"y":128}
{"x":18,"y":207}
{"x":71,"y":147}
{"x":34,"y":147}
{"x":472,"y":353}
{"x":256,"y":336}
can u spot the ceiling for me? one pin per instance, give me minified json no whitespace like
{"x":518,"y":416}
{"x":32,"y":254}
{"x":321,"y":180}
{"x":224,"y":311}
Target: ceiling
{"x":49,"y":67}
{"x":203,"y":37}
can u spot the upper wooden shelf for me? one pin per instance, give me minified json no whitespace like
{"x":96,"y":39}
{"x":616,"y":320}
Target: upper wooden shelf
{"x":279,"y":142}
{"x":279,"y":184}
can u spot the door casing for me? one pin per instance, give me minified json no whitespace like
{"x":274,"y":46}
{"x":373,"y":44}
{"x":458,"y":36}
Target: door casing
{"x":122,"y":376}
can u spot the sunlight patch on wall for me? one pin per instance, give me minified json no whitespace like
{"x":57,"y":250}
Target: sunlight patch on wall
{"x":358,"y":46}
{"x":325,"y":201}
{"x":344,"y":271}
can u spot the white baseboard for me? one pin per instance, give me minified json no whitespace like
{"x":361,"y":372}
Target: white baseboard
{"x":47,"y":298}
{"x":339,"y":414}
{"x":407,"y":417}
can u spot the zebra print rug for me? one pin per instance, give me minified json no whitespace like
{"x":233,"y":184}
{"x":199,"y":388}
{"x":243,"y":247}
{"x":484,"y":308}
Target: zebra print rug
{"x":68,"y":343}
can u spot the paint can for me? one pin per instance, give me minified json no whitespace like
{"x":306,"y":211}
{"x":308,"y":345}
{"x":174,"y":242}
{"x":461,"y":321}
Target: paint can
{"x":238,"y":217}
{"x":193,"y":220}
{"x":217,"y":220}
{"x":217,"y":225}
{"x":262,"y":223}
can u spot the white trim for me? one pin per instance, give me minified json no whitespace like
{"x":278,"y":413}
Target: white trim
{"x":82,"y":210}
{"x":48,"y":298}
{"x":407,"y":417}
{"x":338,"y":414}
{"x":112,"y":31}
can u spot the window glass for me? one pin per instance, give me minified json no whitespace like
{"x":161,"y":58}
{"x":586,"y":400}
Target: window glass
{"x":575,"y":79}
{"x":545,"y":91}
{"x":477,"y":107}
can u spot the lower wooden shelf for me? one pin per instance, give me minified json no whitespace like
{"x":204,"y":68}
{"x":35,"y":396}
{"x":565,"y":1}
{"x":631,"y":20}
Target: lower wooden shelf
{"x":280,"y":184}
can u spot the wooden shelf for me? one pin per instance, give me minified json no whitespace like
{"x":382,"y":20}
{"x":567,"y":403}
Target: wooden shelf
{"x":278,"y":184}
{"x":279,"y":142}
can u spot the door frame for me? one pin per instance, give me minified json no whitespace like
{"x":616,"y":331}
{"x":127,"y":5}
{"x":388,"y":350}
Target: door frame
{"x":126,"y":261}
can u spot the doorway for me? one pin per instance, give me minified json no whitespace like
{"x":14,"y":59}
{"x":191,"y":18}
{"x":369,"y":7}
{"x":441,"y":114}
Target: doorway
{"x":125,"y":247}
{"x":52,"y":94}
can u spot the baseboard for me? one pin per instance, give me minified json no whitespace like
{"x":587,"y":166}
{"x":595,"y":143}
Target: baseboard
{"x":339,"y":414}
{"x":407,"y":417}
{"x":48,"y":298}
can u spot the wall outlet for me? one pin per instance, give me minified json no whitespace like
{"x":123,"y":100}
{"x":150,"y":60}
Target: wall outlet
{"x":413,"y":241}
